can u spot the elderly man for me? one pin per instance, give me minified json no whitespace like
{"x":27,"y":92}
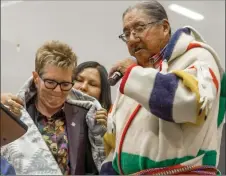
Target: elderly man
{"x":63,"y":136}
{"x":165,"y":116}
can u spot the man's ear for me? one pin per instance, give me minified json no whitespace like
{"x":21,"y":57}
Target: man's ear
{"x":166,"y":27}
{"x":35,"y":77}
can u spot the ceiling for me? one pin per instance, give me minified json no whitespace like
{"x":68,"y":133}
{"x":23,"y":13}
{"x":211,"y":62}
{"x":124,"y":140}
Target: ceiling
{"x":90,"y":27}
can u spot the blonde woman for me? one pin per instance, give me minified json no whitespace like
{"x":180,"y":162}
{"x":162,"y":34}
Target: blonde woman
{"x":62,"y":137}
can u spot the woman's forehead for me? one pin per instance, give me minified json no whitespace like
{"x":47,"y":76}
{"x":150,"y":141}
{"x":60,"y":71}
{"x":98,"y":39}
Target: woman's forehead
{"x":90,"y":73}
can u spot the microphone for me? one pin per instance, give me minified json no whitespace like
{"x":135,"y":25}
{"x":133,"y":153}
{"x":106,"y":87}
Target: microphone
{"x":117,"y":75}
{"x":115,"y":78}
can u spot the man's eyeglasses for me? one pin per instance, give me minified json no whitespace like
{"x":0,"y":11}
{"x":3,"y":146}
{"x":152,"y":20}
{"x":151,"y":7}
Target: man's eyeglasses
{"x":52,"y":84}
{"x":137,"y":29}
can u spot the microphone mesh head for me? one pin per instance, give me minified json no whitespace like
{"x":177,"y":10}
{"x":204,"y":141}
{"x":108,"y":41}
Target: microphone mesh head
{"x":114,"y":78}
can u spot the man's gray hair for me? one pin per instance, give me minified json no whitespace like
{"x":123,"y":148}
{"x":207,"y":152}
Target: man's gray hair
{"x":151,"y":8}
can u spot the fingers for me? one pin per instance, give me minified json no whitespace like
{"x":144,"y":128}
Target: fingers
{"x":15,"y":111}
{"x":17,"y":100}
{"x":13,"y":104}
{"x":101,"y":117}
{"x":102,"y":121}
{"x":102,"y":111}
{"x":5,"y":97}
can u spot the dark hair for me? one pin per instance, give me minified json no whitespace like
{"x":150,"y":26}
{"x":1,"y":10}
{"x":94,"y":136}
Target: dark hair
{"x":151,"y":8}
{"x":105,"y":96}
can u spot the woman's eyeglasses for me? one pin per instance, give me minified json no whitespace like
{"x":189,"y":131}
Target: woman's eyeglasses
{"x":52,"y":84}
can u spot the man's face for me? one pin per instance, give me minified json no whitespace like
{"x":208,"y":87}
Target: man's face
{"x":148,"y":40}
{"x":52,"y":98}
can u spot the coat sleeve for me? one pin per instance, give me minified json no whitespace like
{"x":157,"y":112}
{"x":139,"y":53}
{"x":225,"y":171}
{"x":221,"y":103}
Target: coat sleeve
{"x":178,"y":96}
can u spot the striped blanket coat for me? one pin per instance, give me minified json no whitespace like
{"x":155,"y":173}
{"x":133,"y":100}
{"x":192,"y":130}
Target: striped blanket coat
{"x":168,"y":115}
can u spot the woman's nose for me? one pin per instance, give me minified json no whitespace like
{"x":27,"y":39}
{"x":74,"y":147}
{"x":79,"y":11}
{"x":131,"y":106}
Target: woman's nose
{"x":57,"y":89}
{"x":83,"y":87}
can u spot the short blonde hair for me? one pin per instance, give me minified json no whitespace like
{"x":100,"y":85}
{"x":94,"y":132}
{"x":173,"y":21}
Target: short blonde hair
{"x":55,"y":53}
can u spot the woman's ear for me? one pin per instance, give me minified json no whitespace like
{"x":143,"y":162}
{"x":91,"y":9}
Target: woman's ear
{"x":35,"y":77}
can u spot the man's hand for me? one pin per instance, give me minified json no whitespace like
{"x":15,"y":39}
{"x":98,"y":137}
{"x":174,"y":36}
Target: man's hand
{"x":122,"y":66}
{"x":12,"y":102}
{"x":101,"y":116}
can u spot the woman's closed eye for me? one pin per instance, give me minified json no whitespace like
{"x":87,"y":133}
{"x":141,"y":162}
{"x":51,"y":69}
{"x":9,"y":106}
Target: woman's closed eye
{"x":93,"y":84}
{"x":78,"y":80}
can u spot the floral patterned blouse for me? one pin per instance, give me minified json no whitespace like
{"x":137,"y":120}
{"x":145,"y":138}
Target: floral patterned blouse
{"x":55,"y":135}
